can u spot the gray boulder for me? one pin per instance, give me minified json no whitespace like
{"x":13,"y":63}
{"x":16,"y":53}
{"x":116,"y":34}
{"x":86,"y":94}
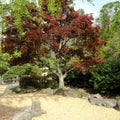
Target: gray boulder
{"x":68,"y":92}
{"x":110,"y":103}
{"x":60,"y":91}
{"x":118,"y":105}
{"x":23,"y":116}
{"x":47,"y":91}
{"x":28,"y":112}
{"x":36,"y":109}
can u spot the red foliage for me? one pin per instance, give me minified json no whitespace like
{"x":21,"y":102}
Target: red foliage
{"x":55,"y":33}
{"x":87,"y":63}
{"x":9,"y":19}
{"x":10,"y":44}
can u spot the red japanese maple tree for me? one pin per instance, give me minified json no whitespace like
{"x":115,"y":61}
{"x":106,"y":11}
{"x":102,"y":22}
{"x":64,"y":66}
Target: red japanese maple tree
{"x":63,"y":42}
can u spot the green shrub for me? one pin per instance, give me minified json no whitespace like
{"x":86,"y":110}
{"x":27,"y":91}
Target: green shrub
{"x":78,"y":80}
{"x":37,"y":82}
{"x":105,"y":77}
{"x":26,"y":69}
{"x":32,"y":81}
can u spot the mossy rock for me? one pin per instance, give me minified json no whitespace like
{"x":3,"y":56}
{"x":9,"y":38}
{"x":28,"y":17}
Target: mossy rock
{"x":69,"y":92}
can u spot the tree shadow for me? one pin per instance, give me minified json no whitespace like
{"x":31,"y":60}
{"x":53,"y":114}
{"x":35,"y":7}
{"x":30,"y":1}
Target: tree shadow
{"x":7,"y":112}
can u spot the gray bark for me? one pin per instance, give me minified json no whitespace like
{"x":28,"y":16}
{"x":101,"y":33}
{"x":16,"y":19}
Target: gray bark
{"x":61,"y":80}
{"x":61,"y":75}
{"x":1,"y":80}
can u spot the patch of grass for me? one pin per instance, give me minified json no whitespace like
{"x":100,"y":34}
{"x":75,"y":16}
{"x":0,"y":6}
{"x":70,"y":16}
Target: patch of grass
{"x":117,"y":97}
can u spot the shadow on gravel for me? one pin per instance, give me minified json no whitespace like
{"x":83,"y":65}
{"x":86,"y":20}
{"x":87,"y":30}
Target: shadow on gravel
{"x":6,"y":112}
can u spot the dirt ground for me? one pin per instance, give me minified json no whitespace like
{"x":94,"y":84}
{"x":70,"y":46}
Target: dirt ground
{"x":57,"y":107}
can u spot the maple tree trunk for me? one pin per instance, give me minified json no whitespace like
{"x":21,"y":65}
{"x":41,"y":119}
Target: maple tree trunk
{"x":61,"y":81}
{"x":0,"y":79}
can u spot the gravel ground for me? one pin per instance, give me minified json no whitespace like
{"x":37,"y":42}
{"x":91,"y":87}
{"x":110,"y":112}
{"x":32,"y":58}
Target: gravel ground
{"x":57,"y":108}
{"x":6,"y":112}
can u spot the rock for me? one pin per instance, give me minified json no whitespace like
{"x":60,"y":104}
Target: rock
{"x":60,"y":91}
{"x":73,"y":93}
{"x":47,"y":91}
{"x":28,"y":112}
{"x":16,"y":89}
{"x":26,"y":108}
{"x":110,"y":103}
{"x":68,"y":92}
{"x":23,"y":116}
{"x":97,"y":96}
{"x":118,"y":105}
{"x":30,"y":90}
{"x":36,"y":109}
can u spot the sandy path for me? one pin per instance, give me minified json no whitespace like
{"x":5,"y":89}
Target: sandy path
{"x":62,"y":108}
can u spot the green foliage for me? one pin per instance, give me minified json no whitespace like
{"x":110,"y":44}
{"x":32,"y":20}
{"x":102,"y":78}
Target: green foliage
{"x":78,"y":80}
{"x":4,"y":62}
{"x":118,"y":97}
{"x":37,"y":82}
{"x":26,"y":69}
{"x":4,"y":57}
{"x":53,"y":61}
{"x":109,"y":21}
{"x":54,"y":6}
{"x":17,"y":9}
{"x":33,"y":81}
{"x":73,"y":60}
{"x":105,"y":77}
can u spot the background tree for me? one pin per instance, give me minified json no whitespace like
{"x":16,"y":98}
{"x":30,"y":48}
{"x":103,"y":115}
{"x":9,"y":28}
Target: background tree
{"x":63,"y":43}
{"x":81,"y":11}
{"x":109,"y":21}
{"x":105,"y":77}
{"x":3,"y":64}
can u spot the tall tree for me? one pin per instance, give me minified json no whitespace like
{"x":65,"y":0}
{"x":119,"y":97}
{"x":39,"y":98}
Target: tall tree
{"x":62,"y":43}
{"x":109,"y":21}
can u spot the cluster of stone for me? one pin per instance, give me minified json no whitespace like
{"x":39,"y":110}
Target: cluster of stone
{"x":109,"y":103}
